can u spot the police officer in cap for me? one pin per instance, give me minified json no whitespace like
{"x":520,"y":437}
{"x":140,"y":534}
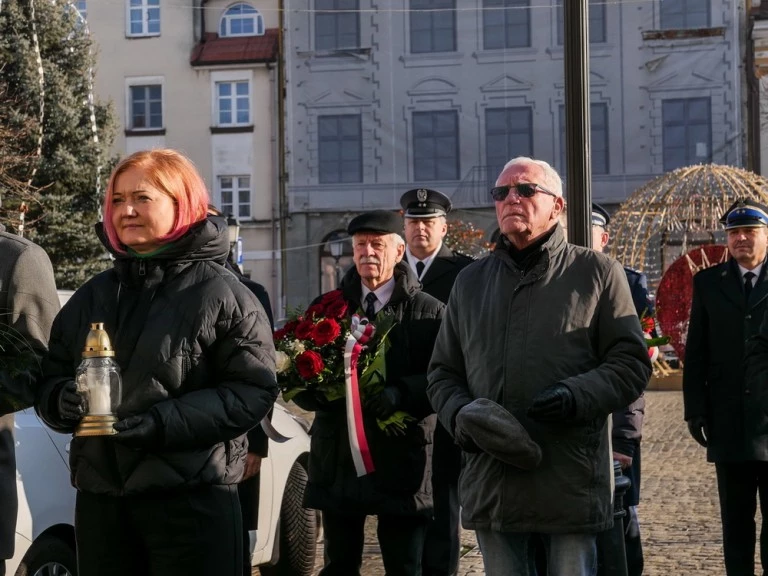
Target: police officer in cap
{"x":436,"y":266}
{"x":627,"y":423}
{"x":725,"y":395}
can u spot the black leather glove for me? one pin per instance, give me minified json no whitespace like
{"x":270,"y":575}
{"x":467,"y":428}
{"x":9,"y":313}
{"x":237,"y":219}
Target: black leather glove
{"x":554,"y":403}
{"x":384,"y":404}
{"x":697,"y":426}
{"x":72,"y":405}
{"x":142,"y":431}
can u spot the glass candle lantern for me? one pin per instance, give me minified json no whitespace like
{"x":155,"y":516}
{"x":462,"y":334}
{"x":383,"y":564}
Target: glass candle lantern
{"x":98,"y":379}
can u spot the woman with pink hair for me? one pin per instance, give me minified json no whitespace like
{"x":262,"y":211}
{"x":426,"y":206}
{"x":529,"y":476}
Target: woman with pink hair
{"x":195,"y":351}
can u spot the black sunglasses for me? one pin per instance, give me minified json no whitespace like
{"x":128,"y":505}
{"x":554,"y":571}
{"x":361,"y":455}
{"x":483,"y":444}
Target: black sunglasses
{"x":500,"y":193}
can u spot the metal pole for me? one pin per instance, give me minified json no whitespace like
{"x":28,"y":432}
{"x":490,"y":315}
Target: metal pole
{"x":578,"y":151}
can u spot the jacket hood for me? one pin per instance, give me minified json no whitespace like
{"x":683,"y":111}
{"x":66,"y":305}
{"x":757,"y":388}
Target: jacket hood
{"x":205,"y":240}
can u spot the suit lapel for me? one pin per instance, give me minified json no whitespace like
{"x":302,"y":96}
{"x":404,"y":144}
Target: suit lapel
{"x":731,"y":284}
{"x":760,"y":291}
{"x":440,"y":265}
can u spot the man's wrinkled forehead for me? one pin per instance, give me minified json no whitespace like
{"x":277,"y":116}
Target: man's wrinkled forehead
{"x":370,"y":236}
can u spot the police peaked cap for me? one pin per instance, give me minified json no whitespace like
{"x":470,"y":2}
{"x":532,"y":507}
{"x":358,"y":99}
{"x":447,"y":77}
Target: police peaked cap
{"x":600,"y":216}
{"x":425,"y":203}
{"x":745,"y":213}
{"x":377,"y":222}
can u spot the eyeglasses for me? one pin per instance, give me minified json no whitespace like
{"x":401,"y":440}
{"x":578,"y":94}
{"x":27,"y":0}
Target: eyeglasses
{"x":523,"y":190}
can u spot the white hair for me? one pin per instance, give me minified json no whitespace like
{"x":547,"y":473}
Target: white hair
{"x":399,"y":240}
{"x":553,"y":182}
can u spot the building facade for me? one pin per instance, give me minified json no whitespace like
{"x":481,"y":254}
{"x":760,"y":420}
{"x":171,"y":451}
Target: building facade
{"x":201,"y":77}
{"x":388,"y":96}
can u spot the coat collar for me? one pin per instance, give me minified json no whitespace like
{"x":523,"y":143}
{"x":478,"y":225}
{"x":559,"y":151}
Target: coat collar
{"x":442,"y":263}
{"x":731,"y":285}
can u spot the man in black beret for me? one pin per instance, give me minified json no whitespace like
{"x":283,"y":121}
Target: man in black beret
{"x":436,"y":266}
{"x":398,"y":492}
{"x":725,"y":394}
{"x":627,"y":428}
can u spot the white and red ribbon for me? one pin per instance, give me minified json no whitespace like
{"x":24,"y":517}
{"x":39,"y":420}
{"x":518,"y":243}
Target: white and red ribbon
{"x":362,"y":332}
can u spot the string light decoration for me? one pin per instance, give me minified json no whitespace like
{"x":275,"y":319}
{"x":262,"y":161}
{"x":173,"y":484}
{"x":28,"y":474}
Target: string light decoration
{"x":669,"y":229}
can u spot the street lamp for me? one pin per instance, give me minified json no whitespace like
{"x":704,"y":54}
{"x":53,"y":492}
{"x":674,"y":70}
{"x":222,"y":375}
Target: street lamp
{"x":336,"y":248}
{"x":233,"y":231}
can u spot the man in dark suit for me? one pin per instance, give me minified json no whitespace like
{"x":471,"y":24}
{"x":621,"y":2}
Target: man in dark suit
{"x":729,"y":303}
{"x":28,"y":305}
{"x":627,"y":428}
{"x":436,"y":266}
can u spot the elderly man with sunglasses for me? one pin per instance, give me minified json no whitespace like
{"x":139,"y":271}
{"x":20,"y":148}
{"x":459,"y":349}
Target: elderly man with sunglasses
{"x":546,"y":332}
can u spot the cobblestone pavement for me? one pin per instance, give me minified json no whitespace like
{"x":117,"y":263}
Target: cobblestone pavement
{"x":679,"y":512}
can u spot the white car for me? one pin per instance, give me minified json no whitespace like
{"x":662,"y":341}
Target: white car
{"x":45,"y":538}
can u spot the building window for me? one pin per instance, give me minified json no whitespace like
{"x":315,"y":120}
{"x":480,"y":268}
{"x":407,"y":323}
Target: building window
{"x":436,"y":146}
{"x":241,"y":20}
{"x":146,"y":107}
{"x":143,"y":17}
{"x":233,"y":103}
{"x":235,"y":195}
{"x":433,"y":26}
{"x":682,"y":14}
{"x":687,"y":136}
{"x":337,"y":24}
{"x":506,"y":24}
{"x":597,"y":29}
{"x":508,"y":134}
{"x":598,"y":120}
{"x":340,"y":140}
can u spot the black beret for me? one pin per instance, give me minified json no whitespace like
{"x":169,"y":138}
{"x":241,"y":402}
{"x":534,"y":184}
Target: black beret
{"x":424,"y":203}
{"x":745,"y":213}
{"x":377,"y":221}
{"x":600,"y":216}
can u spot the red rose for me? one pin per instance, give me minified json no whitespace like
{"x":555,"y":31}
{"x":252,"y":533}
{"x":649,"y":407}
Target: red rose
{"x":325,"y":332}
{"x":290,"y":326}
{"x":314,"y":311}
{"x":647,"y":324}
{"x":304,"y":329}
{"x":336,"y":308}
{"x":331,"y":296}
{"x":309,"y":364}
{"x":279,"y":334}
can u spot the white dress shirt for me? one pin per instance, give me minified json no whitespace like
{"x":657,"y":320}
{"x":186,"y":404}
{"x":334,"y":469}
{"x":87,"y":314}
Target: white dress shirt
{"x":756,"y":271}
{"x":383,"y":294}
{"x":427,"y":261}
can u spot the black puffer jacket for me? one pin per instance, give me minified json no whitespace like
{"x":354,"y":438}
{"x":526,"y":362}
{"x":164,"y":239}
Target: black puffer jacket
{"x":401,"y":482}
{"x":195,"y":350}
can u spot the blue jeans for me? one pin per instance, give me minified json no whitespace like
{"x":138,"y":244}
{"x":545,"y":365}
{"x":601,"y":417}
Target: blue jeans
{"x":513,"y":553}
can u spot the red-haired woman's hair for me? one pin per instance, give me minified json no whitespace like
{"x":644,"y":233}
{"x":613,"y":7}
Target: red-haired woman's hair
{"x":173,"y":174}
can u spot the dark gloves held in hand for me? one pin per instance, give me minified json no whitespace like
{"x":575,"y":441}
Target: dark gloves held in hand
{"x":140,"y":431}
{"x":385,"y":403}
{"x":697,"y":426}
{"x":554,"y":403}
{"x":487,"y":426}
{"x":73,"y":405}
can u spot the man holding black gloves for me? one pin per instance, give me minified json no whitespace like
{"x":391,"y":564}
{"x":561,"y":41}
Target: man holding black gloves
{"x":547,"y":332}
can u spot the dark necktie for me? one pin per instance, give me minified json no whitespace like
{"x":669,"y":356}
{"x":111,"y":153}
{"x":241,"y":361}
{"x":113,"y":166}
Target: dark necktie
{"x":370,"y":310}
{"x":748,"y":285}
{"x":419,"y":268}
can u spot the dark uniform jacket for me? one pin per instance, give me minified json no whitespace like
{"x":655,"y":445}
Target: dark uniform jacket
{"x":195,"y":351}
{"x":439,"y":277}
{"x":28,"y":305}
{"x":714,"y":383}
{"x":400,"y":484}
{"x":628,"y":422}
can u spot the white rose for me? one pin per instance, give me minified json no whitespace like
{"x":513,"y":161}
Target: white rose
{"x":296,"y":347}
{"x":282,"y":361}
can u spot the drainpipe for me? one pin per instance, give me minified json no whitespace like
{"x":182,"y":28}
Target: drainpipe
{"x":753,"y":99}
{"x":281,"y":175}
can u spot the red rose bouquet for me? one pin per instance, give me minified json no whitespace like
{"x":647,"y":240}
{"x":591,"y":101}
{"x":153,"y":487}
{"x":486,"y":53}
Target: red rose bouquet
{"x":310,"y":355}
